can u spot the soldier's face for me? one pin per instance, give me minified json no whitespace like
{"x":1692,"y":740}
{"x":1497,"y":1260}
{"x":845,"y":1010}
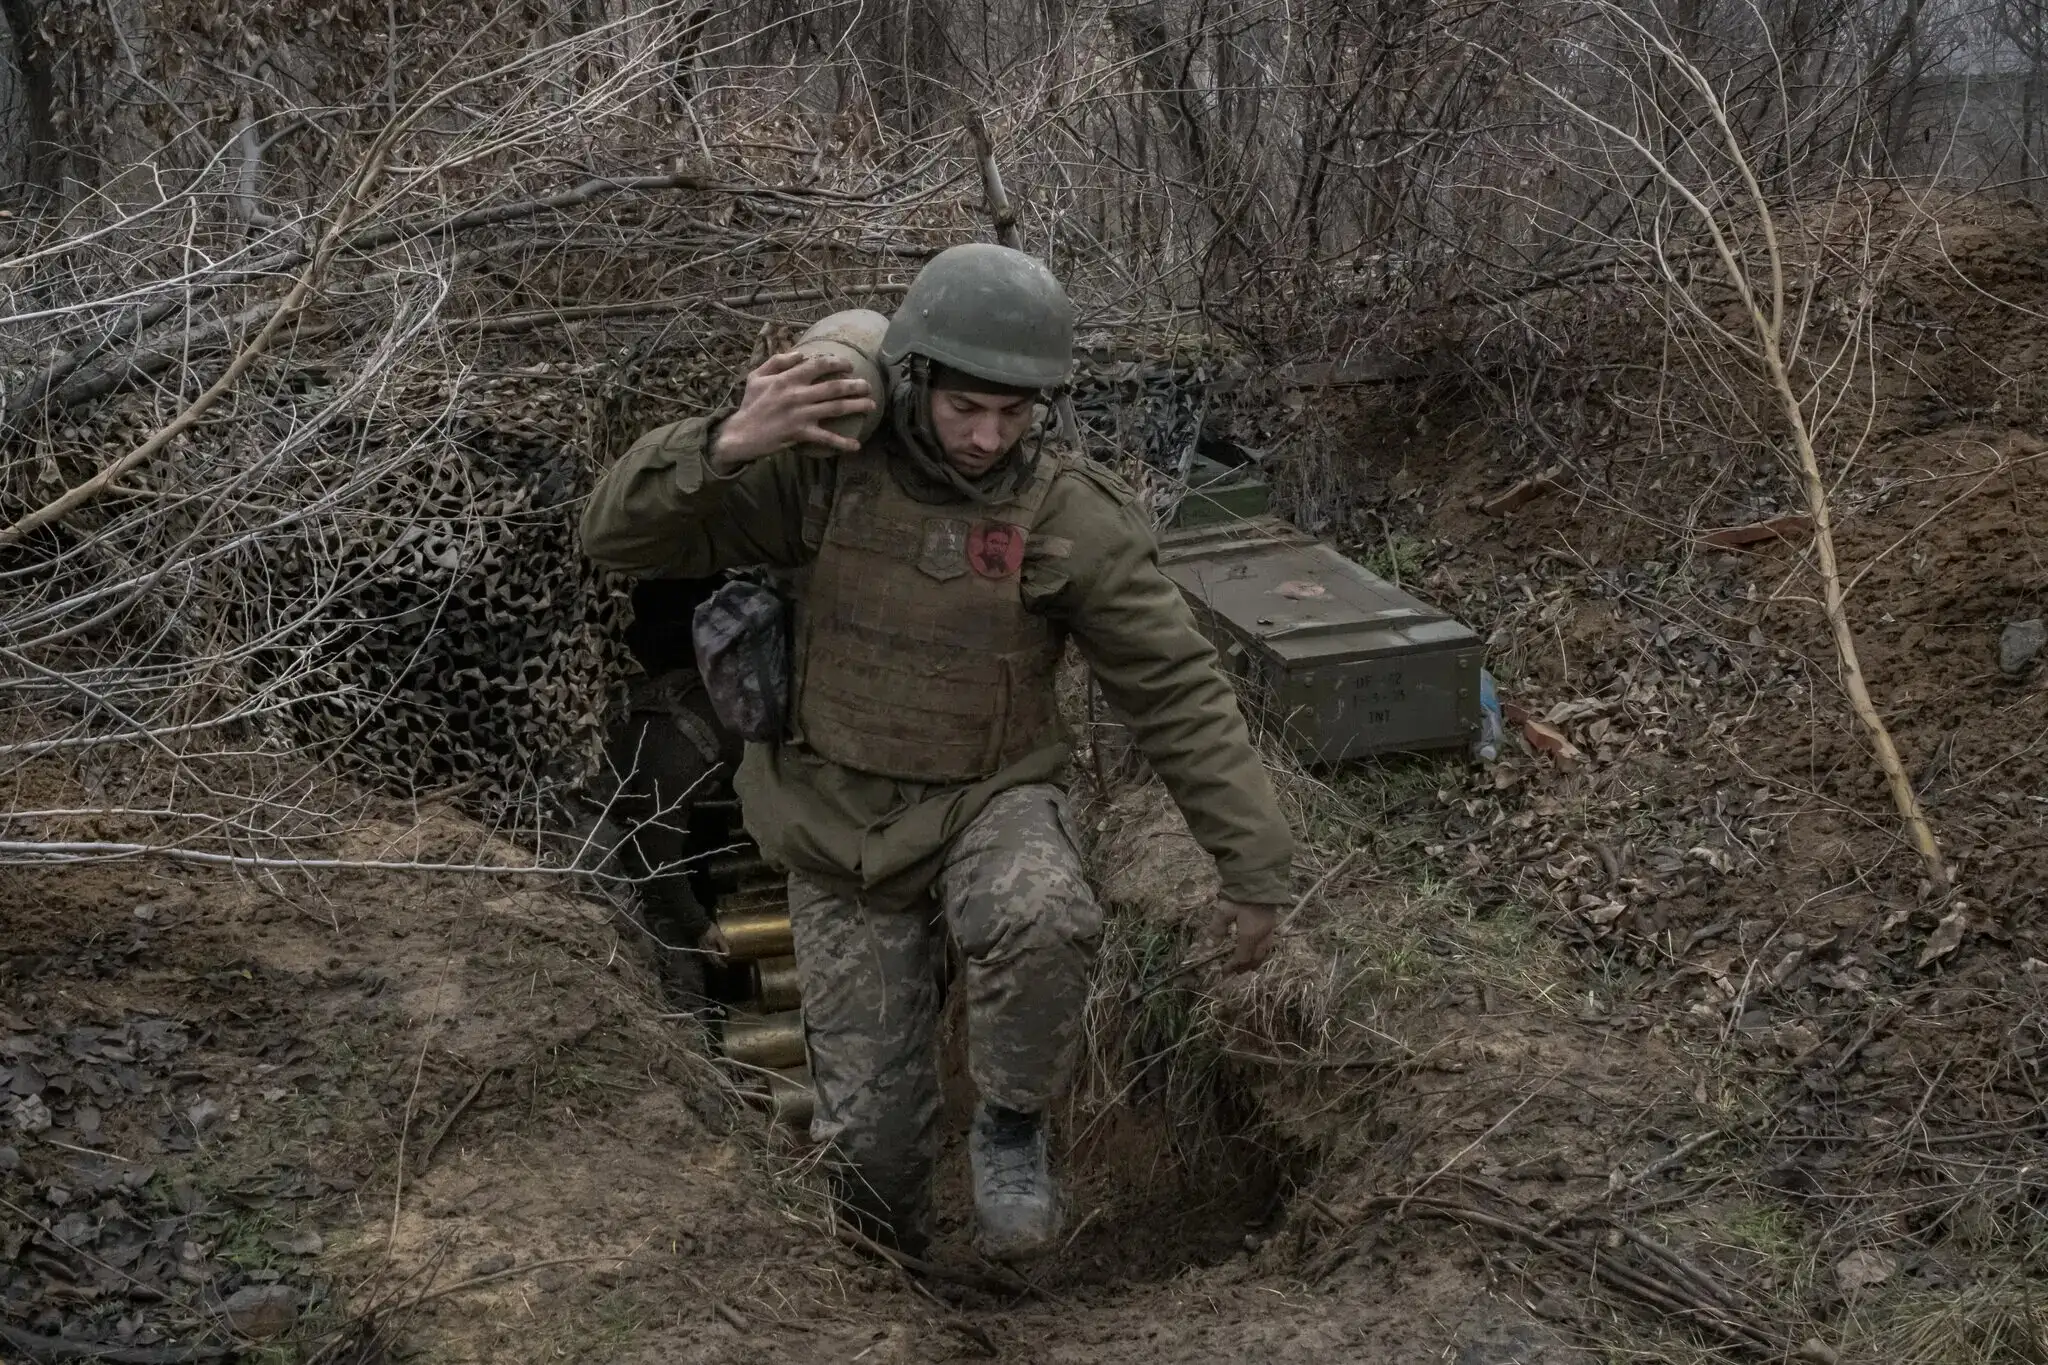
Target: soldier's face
{"x":977,"y":429}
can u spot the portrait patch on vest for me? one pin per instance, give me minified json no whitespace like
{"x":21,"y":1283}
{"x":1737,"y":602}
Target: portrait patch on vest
{"x":996,"y":549}
{"x":943,"y":554}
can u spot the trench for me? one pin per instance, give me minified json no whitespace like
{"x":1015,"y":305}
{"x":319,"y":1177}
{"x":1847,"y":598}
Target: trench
{"x":1158,"y":1176}
{"x":1153,"y":1192}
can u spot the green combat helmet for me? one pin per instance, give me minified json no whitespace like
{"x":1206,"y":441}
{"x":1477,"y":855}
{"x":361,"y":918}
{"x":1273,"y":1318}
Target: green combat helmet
{"x":989,"y":311}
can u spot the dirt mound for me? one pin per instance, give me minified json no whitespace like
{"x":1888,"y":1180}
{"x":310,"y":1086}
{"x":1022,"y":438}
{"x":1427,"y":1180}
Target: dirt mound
{"x":373,"y":1114}
{"x":1857,"y":1062}
{"x":429,"y":1111}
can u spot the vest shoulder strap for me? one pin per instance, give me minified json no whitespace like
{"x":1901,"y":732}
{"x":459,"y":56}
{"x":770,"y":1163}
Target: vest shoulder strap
{"x":1023,"y":509}
{"x":1099,"y":476}
{"x":818,"y":503}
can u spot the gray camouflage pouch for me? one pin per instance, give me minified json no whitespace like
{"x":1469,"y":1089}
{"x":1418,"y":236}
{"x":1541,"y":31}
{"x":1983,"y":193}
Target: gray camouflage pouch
{"x":741,"y":637}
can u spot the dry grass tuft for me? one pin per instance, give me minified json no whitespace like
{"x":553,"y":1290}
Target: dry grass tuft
{"x":2002,"y":1323}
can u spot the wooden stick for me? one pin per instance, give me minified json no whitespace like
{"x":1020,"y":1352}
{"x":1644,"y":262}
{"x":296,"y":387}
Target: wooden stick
{"x":987,"y":1284}
{"x":1682,"y":1299}
{"x":433,"y":1143}
{"x":38,"y":1347}
{"x":999,"y":210}
{"x":15,"y":852}
{"x":1004,"y":219}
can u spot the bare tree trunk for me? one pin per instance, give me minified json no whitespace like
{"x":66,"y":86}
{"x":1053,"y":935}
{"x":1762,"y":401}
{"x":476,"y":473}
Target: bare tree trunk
{"x":2027,"y":133}
{"x":1906,"y":41}
{"x":1145,"y":30}
{"x":1165,"y":67}
{"x":903,"y":52}
{"x":32,"y":57}
{"x":2024,"y":24}
{"x":689,"y":51}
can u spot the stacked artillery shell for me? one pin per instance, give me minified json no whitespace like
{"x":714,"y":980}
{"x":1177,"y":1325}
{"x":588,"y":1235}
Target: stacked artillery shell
{"x":752,"y":935}
{"x":767,"y":1040}
{"x":770,"y":1050}
{"x":791,"y":1102}
{"x":775,"y":984}
{"x":744,"y":868}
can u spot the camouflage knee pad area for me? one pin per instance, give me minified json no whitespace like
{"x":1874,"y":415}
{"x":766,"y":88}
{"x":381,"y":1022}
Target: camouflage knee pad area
{"x":1013,"y":895}
{"x":1028,"y":925}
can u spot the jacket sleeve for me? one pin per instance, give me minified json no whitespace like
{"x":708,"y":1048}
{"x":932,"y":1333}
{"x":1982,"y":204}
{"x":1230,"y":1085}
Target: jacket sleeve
{"x":1098,"y":574}
{"x":662,"y":510}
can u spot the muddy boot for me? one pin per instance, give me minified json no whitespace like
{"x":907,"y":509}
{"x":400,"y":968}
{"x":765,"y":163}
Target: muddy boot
{"x":900,"y":1226}
{"x":1016,"y":1203}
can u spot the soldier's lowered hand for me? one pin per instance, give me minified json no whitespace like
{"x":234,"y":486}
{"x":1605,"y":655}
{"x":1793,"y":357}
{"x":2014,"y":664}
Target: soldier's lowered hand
{"x":787,"y":402}
{"x":1254,"y":924}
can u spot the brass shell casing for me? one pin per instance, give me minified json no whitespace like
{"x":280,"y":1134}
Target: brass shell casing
{"x":754,"y":900}
{"x":769,"y":1041}
{"x":744,"y":867}
{"x":791,"y":1101}
{"x":776,"y":980}
{"x":757,"y":934}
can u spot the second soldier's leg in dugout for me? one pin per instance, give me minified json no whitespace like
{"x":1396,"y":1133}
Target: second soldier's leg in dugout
{"x":666,"y":755}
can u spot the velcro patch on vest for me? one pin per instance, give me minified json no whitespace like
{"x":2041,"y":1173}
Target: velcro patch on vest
{"x":996,"y":549}
{"x":943,"y":551}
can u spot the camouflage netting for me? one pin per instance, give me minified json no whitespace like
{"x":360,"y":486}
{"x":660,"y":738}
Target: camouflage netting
{"x":1148,"y":410}
{"x":465,"y":638}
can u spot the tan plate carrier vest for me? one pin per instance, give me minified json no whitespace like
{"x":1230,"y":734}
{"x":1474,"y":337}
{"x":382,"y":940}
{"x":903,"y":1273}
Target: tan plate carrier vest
{"x":915,"y":656}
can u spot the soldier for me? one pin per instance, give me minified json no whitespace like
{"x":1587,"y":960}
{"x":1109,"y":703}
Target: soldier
{"x":945,"y":563}
{"x":667,"y":752}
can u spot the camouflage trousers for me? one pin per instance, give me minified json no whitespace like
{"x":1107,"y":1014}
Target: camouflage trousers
{"x":1014,"y":899}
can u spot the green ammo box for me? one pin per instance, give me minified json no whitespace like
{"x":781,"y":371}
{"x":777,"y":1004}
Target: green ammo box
{"x":1220,"y":491}
{"x":1345,"y":661}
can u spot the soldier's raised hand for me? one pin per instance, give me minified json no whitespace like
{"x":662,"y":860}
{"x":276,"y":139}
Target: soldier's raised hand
{"x":787,"y":402}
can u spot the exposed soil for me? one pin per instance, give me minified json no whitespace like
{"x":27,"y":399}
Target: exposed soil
{"x":1679,"y":1010}
{"x":451,"y":1120}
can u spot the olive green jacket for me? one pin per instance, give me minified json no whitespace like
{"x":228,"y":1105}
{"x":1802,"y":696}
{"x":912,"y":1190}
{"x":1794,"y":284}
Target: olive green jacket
{"x":1090,"y":563}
